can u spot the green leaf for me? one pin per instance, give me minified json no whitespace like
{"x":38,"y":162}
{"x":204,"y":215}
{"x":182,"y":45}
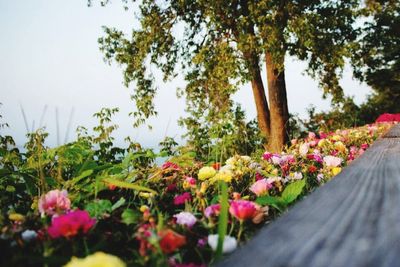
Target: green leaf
{"x":223,"y":219}
{"x":127,"y":185}
{"x":292,"y":191}
{"x":84,"y":174}
{"x":99,"y":208}
{"x":130,"y":216}
{"x":275,"y":202}
{"x":29,"y":183}
{"x":118,"y":204}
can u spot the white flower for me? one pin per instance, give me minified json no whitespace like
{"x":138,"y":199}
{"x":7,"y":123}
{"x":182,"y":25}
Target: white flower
{"x":303,"y":149}
{"x":28,"y":235}
{"x":185,"y":218}
{"x":246,"y":158}
{"x":230,"y":243}
{"x":297,"y":176}
{"x":331,"y":161}
{"x":276,"y":160}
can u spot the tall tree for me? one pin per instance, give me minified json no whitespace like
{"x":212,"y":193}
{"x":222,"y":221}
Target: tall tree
{"x":221,"y":44}
{"x":377,"y":57}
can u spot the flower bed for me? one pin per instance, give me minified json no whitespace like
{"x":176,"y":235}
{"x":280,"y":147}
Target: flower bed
{"x":172,"y":215}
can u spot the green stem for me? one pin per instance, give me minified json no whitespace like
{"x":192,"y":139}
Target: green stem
{"x":240,"y":230}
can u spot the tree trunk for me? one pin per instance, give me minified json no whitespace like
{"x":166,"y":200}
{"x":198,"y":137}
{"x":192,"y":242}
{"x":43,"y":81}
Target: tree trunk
{"x":279,"y":113}
{"x":263,"y":116}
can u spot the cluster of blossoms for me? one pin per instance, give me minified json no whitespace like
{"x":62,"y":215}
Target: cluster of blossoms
{"x":181,"y":219}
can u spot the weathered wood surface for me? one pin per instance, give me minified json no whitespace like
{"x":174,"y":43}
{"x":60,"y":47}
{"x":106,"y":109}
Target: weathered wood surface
{"x":354,"y":220}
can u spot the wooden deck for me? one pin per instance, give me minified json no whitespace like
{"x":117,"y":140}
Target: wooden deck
{"x":354,"y":220}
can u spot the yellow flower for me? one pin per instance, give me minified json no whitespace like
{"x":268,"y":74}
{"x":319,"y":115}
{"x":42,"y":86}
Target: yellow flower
{"x":206,"y":173}
{"x":225,"y":176}
{"x":336,"y":138}
{"x":336,"y":170}
{"x":145,"y":195}
{"x":16,"y":217}
{"x":98,"y":259}
{"x":203,"y":188}
{"x":340,"y":146}
{"x":143,"y":208}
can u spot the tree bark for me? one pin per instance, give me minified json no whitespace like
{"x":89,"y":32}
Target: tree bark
{"x":279,"y":114}
{"x":263,"y":113}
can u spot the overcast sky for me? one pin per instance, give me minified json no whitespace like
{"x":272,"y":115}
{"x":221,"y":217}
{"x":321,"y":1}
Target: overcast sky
{"x":49,"y":56}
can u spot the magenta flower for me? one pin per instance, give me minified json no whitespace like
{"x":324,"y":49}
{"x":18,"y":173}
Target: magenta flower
{"x":71,"y":224}
{"x":267,"y":155}
{"x":212,"y":210}
{"x":185,"y":218}
{"x":170,"y":165}
{"x":181,"y":199}
{"x":54,"y":202}
{"x":261,"y":187}
{"x":243,"y":209}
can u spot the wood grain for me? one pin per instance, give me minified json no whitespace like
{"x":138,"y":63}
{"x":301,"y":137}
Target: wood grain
{"x":354,"y":220}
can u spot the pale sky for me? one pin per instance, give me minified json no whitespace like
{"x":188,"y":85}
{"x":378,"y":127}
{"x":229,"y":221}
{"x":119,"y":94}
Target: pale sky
{"x":49,"y":56}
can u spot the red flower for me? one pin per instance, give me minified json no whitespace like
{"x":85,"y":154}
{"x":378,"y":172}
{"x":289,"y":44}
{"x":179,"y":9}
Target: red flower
{"x":170,"y":241}
{"x":181,"y":199}
{"x":312,"y":169}
{"x":216,"y":165}
{"x":71,"y":224}
{"x":171,"y":188}
{"x":243,"y":209}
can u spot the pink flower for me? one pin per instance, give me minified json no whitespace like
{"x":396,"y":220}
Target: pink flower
{"x":311,"y":135}
{"x":190,"y":180}
{"x":170,"y":165}
{"x":185,"y":218}
{"x":54,"y":202}
{"x":243,"y":209}
{"x":267,"y":155}
{"x":331,"y":161}
{"x":364,"y":146}
{"x":71,"y":224}
{"x":181,"y":199}
{"x":212,"y":210}
{"x":261,"y":187}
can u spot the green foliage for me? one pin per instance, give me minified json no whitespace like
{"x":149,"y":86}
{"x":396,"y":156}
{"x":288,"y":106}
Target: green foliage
{"x":290,"y":194}
{"x":130,"y":216}
{"x":217,"y":46}
{"x":376,"y":58}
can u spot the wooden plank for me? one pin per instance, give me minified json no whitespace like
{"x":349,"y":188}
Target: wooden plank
{"x":394,"y":132}
{"x":354,"y":220}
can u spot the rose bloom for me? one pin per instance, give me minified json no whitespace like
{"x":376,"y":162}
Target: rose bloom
{"x":54,"y":202}
{"x":212,"y":210}
{"x":181,"y":199}
{"x":71,"y":224}
{"x":185,"y":218}
{"x":170,"y":241}
{"x":243,"y":209}
{"x":206,"y":173}
{"x":332,"y":161}
{"x":261,"y":187}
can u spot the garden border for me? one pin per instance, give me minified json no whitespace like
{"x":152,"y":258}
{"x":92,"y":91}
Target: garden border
{"x":354,"y":220}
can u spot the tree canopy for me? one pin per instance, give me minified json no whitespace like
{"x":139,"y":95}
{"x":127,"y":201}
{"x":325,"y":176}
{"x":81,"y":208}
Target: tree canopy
{"x":219,"y":45}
